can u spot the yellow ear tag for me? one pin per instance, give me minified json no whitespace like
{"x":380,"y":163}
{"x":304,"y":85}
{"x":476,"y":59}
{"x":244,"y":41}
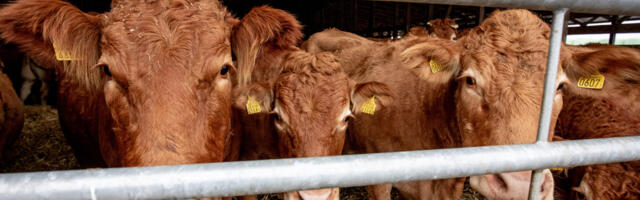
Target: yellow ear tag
{"x":369,"y":107}
{"x":61,"y":55}
{"x":253,"y":106}
{"x":592,"y":82}
{"x":435,"y":67}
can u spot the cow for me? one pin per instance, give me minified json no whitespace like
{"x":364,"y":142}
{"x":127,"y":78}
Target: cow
{"x":292,"y":103}
{"x":333,"y":39}
{"x":11,"y":113}
{"x":485,"y":89}
{"x":31,"y":72}
{"x":145,"y":84}
{"x":442,"y":28}
{"x":589,"y":118}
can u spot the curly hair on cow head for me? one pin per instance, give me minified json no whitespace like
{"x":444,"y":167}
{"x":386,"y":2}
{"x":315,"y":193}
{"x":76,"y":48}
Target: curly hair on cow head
{"x":263,"y":27}
{"x":502,"y":33}
{"x":306,"y":63}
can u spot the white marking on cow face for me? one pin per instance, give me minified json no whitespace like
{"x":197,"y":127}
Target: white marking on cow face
{"x":281,"y":118}
{"x":561,"y":82}
{"x":472,"y":82}
{"x":343,"y":119}
{"x":584,"y":188}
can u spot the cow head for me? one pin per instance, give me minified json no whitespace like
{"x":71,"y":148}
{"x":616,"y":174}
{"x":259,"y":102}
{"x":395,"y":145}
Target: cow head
{"x":309,"y":97}
{"x":606,"y":181}
{"x":311,"y":102}
{"x":443,"y":28}
{"x":498,"y":71}
{"x":162,"y":67}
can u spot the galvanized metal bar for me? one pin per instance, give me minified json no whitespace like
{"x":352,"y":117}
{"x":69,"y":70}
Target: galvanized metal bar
{"x":544,"y":125}
{"x":616,"y":7}
{"x":271,"y":176}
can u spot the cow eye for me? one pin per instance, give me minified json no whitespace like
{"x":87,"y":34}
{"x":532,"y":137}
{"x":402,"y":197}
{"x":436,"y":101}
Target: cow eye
{"x":224,"y":70}
{"x":105,"y":68}
{"x":276,"y":117}
{"x":470,"y":81}
{"x":347,"y":119}
{"x":560,"y":86}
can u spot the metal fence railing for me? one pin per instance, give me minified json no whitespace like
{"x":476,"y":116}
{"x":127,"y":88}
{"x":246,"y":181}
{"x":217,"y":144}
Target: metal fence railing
{"x":270,"y":176}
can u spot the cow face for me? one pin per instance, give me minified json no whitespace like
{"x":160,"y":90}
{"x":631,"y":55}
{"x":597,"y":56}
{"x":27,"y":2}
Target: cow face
{"x":498,"y":72}
{"x":443,"y":28}
{"x":311,"y":104}
{"x":162,"y":66}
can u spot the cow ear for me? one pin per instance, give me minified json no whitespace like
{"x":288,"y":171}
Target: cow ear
{"x":261,"y":27}
{"x":605,"y":72}
{"x":253,"y":98}
{"x":434,"y":60}
{"x":35,"y":26}
{"x":371,"y":97}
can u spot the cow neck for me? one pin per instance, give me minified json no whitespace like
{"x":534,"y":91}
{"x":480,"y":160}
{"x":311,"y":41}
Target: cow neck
{"x":439,"y":108}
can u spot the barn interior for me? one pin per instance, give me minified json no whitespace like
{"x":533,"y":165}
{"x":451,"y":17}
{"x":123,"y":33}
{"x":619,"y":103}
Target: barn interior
{"x":42,"y":145}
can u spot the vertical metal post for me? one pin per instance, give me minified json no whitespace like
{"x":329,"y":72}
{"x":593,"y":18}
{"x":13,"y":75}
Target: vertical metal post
{"x":481,"y":15}
{"x":407,"y":20}
{"x":613,"y":30}
{"x":430,"y":14}
{"x":449,"y":9}
{"x":355,"y":17}
{"x":565,"y":26}
{"x":547,"y":97}
{"x":394,"y":32}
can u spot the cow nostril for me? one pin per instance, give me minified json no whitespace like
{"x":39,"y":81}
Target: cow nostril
{"x":500,"y":182}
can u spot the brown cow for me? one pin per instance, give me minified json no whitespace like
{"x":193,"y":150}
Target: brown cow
{"x":483,"y":90}
{"x":409,"y":123}
{"x":499,"y":79}
{"x":443,"y":28}
{"x":588,"y":118}
{"x":145,"y":85}
{"x":305,"y":99}
{"x":333,"y":39}
{"x":11,"y":112}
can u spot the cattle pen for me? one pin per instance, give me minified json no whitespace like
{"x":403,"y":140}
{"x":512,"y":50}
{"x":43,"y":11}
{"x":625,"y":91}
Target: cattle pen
{"x":271,"y":176}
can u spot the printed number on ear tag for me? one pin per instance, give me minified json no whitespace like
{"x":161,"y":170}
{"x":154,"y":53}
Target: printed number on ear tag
{"x":592,"y":82}
{"x":253,"y":106}
{"x":61,"y":55}
{"x":435,"y":67}
{"x":369,"y":107}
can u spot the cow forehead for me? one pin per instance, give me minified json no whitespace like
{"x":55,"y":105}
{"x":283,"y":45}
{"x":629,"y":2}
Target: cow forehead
{"x":152,"y":35}
{"x":301,"y":95}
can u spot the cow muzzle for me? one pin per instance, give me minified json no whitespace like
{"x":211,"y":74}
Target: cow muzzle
{"x":514,"y":185}
{"x":321,"y":194}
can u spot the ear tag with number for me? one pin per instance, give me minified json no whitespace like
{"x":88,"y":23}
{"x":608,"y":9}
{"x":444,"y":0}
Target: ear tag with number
{"x":591,"y":82}
{"x":61,"y":55}
{"x":435,"y":67}
{"x":369,"y":107}
{"x":253,"y":106}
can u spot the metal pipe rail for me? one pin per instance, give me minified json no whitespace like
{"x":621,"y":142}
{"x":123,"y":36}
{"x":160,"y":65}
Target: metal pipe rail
{"x":555,"y":42}
{"x":271,"y":176}
{"x":616,"y":7}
